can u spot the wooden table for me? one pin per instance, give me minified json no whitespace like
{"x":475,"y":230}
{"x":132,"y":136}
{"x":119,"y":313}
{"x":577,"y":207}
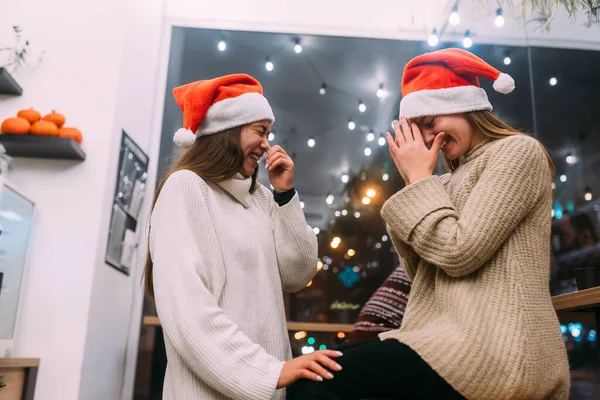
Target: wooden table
{"x":17,"y":378}
{"x":587,"y":301}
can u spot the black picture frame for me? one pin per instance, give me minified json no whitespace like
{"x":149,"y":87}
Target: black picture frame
{"x":132,"y":174}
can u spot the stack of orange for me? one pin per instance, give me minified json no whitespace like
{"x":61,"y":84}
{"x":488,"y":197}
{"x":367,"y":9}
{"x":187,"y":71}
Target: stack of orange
{"x":31,"y":122}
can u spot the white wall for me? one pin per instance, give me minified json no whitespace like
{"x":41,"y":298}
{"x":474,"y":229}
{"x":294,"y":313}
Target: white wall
{"x":99,"y":69}
{"x":394,"y":19}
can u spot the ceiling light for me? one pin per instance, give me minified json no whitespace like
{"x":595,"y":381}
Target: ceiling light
{"x":311,"y":142}
{"x":271,"y":136}
{"x":269,"y":65}
{"x":499,"y":21}
{"x":344,"y":212}
{"x":302,"y":205}
{"x":454,"y":17}
{"x":323,"y":89}
{"x":345,"y":178}
{"x":467,"y":41}
{"x":351,"y":125}
{"x":367,"y":151}
{"x":433,"y":39}
{"x":381,"y":141}
{"x":588,"y":194}
{"x":370,"y":137}
{"x":563,"y":178}
{"x":380,"y":92}
{"x":330,"y":199}
{"x":316,"y":230}
{"x":337,"y":213}
{"x":553,"y":81}
{"x":507,"y":60}
{"x":366,"y":200}
{"x":570,"y":159}
{"x":371,"y":193}
{"x":385,"y":177}
{"x":222,"y":45}
{"x":357,"y":215}
{"x":362,"y":107}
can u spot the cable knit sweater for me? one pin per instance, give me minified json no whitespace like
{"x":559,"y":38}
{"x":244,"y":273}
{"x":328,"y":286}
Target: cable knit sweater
{"x":221,"y":259}
{"x":476,"y":244}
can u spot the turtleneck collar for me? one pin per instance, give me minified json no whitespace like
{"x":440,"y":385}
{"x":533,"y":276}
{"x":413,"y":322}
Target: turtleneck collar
{"x":476,"y":150}
{"x":239,"y":188}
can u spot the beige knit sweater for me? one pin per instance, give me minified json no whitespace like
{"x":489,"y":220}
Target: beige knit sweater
{"x":222,"y":257}
{"x":476,"y":244}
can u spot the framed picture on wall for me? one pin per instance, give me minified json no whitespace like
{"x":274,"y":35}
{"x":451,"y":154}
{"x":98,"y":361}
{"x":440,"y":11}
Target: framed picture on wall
{"x":130,"y":187}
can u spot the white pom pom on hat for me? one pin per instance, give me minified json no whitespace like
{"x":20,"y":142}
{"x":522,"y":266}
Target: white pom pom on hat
{"x":184,"y":138}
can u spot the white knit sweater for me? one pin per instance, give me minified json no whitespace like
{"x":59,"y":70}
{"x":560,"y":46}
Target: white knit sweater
{"x":221,"y":259}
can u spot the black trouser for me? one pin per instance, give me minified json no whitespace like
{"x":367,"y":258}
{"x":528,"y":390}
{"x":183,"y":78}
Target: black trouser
{"x":376,"y":369}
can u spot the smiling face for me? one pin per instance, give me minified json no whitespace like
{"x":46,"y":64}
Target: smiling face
{"x":460,"y":134}
{"x":254,"y":144}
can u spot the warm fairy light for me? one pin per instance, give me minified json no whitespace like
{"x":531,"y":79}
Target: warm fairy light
{"x":366,"y":200}
{"x":341,"y":335}
{"x":371,"y":193}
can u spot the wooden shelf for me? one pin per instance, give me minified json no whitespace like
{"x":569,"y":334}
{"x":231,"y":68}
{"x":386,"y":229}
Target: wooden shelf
{"x":292,"y":326}
{"x":579,"y":300}
{"x":8,"y":86}
{"x":19,"y":362}
{"x":35,"y":146}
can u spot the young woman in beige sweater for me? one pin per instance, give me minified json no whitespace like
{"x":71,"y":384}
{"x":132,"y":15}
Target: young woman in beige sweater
{"x":475,"y":242}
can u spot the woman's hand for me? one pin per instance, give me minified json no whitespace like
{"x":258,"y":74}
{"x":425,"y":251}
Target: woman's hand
{"x":412,"y":158}
{"x":310,"y":366}
{"x":281,"y":169}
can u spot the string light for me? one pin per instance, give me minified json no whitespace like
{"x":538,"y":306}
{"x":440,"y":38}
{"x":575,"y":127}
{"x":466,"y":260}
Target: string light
{"x":367,"y":151}
{"x":222,"y":45}
{"x":499,"y":20}
{"x":588,"y":194}
{"x":507,"y":60}
{"x":553,"y":81}
{"x":380,"y":91}
{"x":385,"y":177}
{"x":351,"y":252}
{"x":370,"y":137}
{"x":271,"y":136}
{"x":384,"y":238}
{"x":341,"y":335}
{"x":316,"y":230}
{"x":356,"y":214}
{"x":454,"y":18}
{"x":300,"y":335}
{"x":366,"y":200}
{"x":361,"y":106}
{"x":344,"y":212}
{"x":570,"y":159}
{"x":563,"y":178}
{"x":309,"y":284}
{"x":323,"y":89}
{"x":371,"y":193}
{"x":298,"y":47}
{"x":319,"y":265}
{"x":330,"y":199}
{"x":269,"y":65}
{"x":467,"y":41}
{"x":345,"y":178}
{"x":311,"y":142}
{"x":307,"y":349}
{"x":381,"y":140}
{"x":302,"y":205}
{"x":338,"y":213}
{"x":433,"y":39}
{"x":351,"y":125}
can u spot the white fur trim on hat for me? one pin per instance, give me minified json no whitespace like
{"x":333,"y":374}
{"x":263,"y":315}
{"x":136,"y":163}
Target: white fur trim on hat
{"x":504,"y":84}
{"x":184,"y":138}
{"x":234,"y":112}
{"x":452,"y":100}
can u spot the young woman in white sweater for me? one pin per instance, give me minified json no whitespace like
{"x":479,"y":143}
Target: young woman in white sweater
{"x":223,"y":248}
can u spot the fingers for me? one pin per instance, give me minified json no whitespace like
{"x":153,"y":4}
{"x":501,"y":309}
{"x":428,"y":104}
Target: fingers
{"x":275,"y":150}
{"x":408,"y":134}
{"x":279,"y":160}
{"x":390,"y":141}
{"x":399,"y":136}
{"x":437,"y":142}
{"x":328,"y":362}
{"x":306,"y":374}
{"x":330,"y":353}
{"x":416,"y":132}
{"x":319,"y":370}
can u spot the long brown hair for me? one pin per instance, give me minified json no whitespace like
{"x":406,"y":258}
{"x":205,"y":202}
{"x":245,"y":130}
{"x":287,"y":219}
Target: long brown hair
{"x":493,"y":127}
{"x":214,"y":158}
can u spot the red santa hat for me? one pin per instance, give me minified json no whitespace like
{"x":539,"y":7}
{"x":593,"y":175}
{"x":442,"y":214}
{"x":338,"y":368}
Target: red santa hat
{"x":445,"y":82}
{"x":218,"y":104}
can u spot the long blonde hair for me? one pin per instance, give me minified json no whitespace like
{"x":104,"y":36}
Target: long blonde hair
{"x":493,"y":127}
{"x":214,"y":158}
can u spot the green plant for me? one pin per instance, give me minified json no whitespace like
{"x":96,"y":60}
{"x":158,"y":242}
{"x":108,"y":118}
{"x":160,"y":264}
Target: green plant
{"x":545,"y":10}
{"x":17,"y":53}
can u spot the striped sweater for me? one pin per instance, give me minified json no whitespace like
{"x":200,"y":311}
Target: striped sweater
{"x":222,"y":257}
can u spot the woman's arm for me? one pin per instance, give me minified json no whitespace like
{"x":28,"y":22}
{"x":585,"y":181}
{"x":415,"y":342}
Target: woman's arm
{"x":295,"y":244}
{"x":423,"y":216}
{"x":210,"y":343}
{"x":409,"y":259}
